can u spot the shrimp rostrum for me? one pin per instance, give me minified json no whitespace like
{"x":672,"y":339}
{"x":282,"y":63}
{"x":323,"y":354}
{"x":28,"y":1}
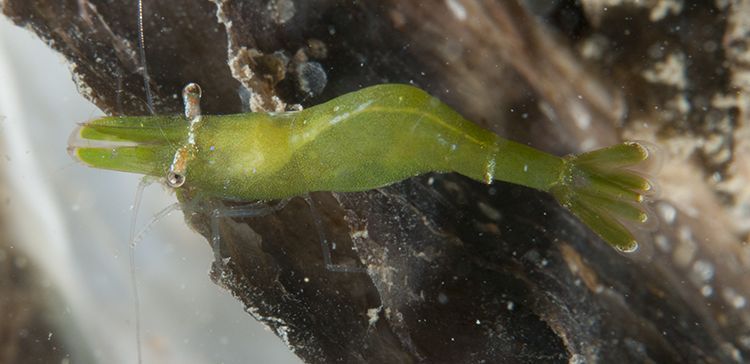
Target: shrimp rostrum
{"x":360,"y":141}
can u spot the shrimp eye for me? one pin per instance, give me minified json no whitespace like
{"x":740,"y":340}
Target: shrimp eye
{"x":175,"y":180}
{"x":192,"y":90}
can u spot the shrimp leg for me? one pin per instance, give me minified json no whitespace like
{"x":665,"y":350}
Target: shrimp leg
{"x":257,"y":209}
{"x":325,"y":245}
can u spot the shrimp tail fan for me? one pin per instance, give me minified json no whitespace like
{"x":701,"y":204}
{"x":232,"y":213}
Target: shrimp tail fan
{"x":608,"y":188}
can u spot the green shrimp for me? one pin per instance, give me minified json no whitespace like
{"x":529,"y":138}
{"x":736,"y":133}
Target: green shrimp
{"x":361,"y":141}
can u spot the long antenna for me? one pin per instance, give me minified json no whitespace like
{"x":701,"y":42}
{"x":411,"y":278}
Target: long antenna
{"x":141,"y":187}
{"x":131,"y":255}
{"x":142,"y":53}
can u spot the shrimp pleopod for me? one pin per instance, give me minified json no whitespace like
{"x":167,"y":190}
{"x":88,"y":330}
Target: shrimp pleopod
{"x":360,"y":141}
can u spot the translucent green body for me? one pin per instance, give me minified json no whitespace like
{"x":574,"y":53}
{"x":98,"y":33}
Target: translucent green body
{"x":361,"y":141}
{"x":358,"y":142}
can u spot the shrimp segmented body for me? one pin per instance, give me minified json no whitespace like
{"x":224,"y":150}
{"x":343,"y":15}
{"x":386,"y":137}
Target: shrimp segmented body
{"x":360,"y":141}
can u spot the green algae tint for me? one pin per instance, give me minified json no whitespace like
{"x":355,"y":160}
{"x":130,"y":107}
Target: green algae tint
{"x":360,"y":141}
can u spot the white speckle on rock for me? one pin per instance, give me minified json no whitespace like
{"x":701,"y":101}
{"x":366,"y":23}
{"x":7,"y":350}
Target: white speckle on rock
{"x":685,"y":251}
{"x":489,"y":211}
{"x":660,"y":9}
{"x":360,"y":234}
{"x":663,"y":243}
{"x":283,"y":333}
{"x":679,"y":103}
{"x":577,"y":359}
{"x":733,"y":298}
{"x":373,"y":314}
{"x":442,"y":298}
{"x":588,"y":143}
{"x":744,"y":341}
{"x":581,"y":117}
{"x":593,"y":47}
{"x":457,"y":9}
{"x":281,"y":10}
{"x":670,"y":72}
{"x":667,"y":212}
{"x":664,"y":8}
{"x":703,"y":270}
